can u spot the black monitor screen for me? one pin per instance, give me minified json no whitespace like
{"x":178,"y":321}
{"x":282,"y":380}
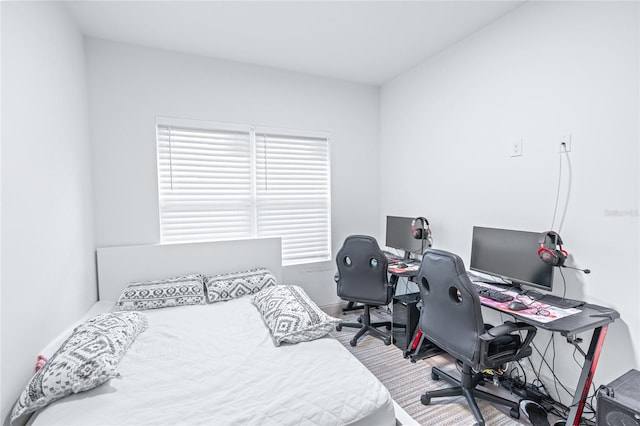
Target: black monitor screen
{"x":399,"y":235}
{"x":512,"y":255}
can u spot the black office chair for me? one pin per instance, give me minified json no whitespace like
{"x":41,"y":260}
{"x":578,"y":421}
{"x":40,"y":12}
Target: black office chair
{"x":362,"y":278}
{"x":452,"y":319}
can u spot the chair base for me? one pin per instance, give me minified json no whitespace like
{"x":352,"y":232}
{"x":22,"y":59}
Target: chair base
{"x":467,"y":388}
{"x":366,"y":326}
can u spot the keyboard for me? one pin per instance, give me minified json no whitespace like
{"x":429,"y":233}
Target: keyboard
{"x":492,"y":294}
{"x":560,"y":302}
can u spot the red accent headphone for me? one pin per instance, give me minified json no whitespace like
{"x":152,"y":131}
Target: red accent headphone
{"x":555,"y":255}
{"x":422,"y":233}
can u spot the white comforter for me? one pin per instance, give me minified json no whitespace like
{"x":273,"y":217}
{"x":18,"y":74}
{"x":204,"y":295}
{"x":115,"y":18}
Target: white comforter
{"x":217,"y":365}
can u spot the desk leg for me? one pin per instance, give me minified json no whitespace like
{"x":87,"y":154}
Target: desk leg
{"x":393,"y":280}
{"x":586,"y":376}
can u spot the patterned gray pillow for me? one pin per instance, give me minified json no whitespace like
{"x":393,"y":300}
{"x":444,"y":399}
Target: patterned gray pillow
{"x":233,"y":285}
{"x":85,"y":360}
{"x":291,"y":316}
{"x":178,"y":291}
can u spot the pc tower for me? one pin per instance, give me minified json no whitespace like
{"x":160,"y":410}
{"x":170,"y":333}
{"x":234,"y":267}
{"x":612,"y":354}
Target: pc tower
{"x":619,"y":402}
{"x":405,"y":318}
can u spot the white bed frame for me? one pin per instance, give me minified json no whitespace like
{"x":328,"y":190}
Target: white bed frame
{"x":118,"y":266}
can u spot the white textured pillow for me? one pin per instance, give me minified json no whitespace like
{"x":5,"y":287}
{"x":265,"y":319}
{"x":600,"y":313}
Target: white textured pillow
{"x":291,"y":316}
{"x":178,"y":291}
{"x":237,"y":284}
{"x":85,"y":360}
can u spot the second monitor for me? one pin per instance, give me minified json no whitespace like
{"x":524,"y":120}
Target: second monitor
{"x":400,"y":237}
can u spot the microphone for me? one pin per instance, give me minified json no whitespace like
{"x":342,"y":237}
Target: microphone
{"x":586,"y":271}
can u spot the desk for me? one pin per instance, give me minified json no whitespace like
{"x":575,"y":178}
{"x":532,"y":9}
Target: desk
{"x":396,"y":271}
{"x":590,"y":317}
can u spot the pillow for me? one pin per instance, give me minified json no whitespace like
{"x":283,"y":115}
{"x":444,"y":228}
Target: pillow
{"x":233,"y":285}
{"x":85,"y":360}
{"x":291,"y":315}
{"x":178,"y":291}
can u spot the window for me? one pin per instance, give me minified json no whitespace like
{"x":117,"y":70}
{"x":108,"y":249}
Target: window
{"x":220,"y":181}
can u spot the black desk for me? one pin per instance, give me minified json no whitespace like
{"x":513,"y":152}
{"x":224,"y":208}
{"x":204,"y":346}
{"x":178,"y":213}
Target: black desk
{"x":590,"y":317}
{"x":410,"y":271}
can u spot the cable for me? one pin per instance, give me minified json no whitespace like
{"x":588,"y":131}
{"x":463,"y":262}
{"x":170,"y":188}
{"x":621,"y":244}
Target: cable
{"x":568,"y":196}
{"x":564,"y":283}
{"x":555,"y":208}
{"x":553,"y":365}
{"x":566,"y":202}
{"x":542,"y":357}
{"x":551,"y":370}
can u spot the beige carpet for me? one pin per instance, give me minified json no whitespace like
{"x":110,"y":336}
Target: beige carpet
{"x":407,"y":381}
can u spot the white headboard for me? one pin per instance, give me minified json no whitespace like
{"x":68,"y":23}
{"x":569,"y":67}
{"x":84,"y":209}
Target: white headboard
{"x":118,"y":266}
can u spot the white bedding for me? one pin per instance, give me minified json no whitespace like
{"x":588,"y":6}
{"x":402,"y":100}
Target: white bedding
{"x":217,"y":365}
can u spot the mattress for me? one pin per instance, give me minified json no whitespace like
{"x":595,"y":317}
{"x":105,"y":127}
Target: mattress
{"x":217,"y":365}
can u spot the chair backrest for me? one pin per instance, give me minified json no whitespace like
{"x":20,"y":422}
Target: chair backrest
{"x":451,"y":315}
{"x":362,"y":271}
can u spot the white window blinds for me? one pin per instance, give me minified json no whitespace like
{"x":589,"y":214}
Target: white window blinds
{"x":219,"y":181}
{"x":293,"y":194}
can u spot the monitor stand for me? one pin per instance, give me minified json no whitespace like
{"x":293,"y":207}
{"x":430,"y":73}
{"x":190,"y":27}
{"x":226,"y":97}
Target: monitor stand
{"x":407,"y":257}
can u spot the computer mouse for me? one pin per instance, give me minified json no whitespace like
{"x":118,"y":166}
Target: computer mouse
{"x":402,"y":265}
{"x":517,"y":306}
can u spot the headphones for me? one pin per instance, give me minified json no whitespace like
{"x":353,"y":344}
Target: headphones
{"x":555,"y":255}
{"x":423,"y":232}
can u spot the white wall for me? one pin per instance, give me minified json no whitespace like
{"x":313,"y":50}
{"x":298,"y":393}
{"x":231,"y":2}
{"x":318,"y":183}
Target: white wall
{"x":546,"y":69}
{"x":48,"y":272}
{"x":129,"y":86}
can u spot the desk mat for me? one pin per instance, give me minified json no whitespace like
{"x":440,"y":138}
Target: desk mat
{"x":537,"y":311}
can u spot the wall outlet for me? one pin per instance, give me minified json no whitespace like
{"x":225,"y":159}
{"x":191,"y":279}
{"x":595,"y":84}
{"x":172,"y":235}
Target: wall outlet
{"x":564,"y":144}
{"x":516,"y":148}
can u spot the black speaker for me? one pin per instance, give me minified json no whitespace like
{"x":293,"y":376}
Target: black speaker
{"x":405,"y":318}
{"x":619,"y":401}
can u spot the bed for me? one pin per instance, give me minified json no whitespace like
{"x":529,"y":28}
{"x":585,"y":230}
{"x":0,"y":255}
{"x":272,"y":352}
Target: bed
{"x":217,"y":363}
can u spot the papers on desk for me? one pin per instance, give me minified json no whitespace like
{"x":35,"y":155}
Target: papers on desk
{"x":537,"y":311}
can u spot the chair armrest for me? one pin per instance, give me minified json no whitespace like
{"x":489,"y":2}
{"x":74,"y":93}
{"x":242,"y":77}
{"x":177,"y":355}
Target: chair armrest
{"x":509,"y":327}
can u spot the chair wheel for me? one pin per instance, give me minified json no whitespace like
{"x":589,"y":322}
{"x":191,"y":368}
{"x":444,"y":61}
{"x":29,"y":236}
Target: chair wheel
{"x":353,"y":342}
{"x":434,"y":375}
{"x":360,"y":318}
{"x":425,"y":399}
{"x":515,"y":413}
{"x":339,"y":327}
{"x":387,"y":341}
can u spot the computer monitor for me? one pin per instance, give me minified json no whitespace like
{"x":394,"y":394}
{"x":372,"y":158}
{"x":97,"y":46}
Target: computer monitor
{"x":511,"y":255}
{"x":399,"y":235}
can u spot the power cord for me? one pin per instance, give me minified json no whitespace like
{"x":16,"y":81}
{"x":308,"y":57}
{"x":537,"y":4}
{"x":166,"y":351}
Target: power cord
{"x":568,"y":194}
{"x":564,"y":283}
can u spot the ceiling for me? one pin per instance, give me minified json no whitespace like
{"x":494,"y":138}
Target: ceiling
{"x":367,"y":42}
